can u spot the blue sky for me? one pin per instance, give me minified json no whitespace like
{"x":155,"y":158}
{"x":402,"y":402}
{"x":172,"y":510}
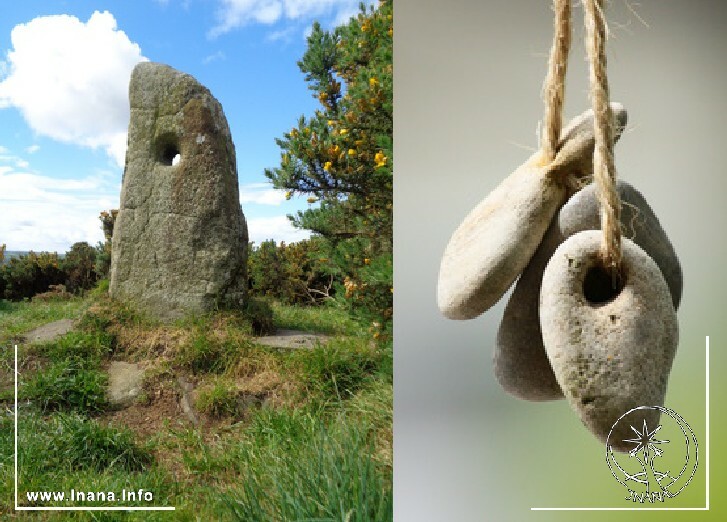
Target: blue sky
{"x":64,"y":72}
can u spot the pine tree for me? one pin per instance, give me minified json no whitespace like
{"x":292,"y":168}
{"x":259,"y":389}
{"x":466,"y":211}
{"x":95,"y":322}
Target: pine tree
{"x":342,"y":156}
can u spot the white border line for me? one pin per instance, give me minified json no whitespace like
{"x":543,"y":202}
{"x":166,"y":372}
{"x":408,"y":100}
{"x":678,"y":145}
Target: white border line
{"x":706,"y":458}
{"x":65,"y":508}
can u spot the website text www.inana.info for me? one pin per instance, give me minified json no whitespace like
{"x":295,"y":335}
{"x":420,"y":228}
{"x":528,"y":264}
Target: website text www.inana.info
{"x":138,"y":495}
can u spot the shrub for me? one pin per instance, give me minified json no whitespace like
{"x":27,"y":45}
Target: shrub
{"x":79,"y":267}
{"x":260,"y":315}
{"x":25,"y":276}
{"x":295,"y":273}
{"x":103,"y":250}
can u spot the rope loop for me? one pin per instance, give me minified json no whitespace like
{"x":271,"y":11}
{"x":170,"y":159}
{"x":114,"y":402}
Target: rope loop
{"x":554,"y":85}
{"x":604,"y":170}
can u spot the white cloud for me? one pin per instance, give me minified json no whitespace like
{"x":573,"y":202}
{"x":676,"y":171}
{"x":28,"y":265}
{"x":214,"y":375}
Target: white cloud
{"x":70,"y":79}
{"x":219,"y":55}
{"x":43,"y":213}
{"x":277,"y":228}
{"x":284,"y":35}
{"x":262,"y":194}
{"x":237,"y":13}
{"x":32,"y":149}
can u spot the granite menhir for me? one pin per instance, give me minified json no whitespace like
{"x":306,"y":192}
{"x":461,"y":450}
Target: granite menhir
{"x":180,"y":238}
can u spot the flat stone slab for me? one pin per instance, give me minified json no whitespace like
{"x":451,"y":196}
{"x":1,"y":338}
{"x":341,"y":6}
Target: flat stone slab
{"x":293,"y":339}
{"x":125,"y":382}
{"x":186,"y":402}
{"x":49,"y":331}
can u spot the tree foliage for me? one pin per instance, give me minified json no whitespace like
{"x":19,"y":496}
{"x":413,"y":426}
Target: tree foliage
{"x":296,"y":273}
{"x":79,"y":269}
{"x":341,"y":158}
{"x":25,"y":276}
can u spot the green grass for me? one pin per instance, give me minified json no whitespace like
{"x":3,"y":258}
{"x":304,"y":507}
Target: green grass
{"x":69,"y":384}
{"x":294,"y":434}
{"x":220,"y":399}
{"x":342,"y":367}
{"x":17,"y":318}
{"x":70,"y":441}
{"x":329,"y":319}
{"x":325,"y":473}
{"x":89,"y":346}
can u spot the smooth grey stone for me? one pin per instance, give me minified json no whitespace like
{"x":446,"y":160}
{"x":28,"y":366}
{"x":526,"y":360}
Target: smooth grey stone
{"x":180,"y":238}
{"x":520,"y":363}
{"x":495,"y":241}
{"x":610,"y":353}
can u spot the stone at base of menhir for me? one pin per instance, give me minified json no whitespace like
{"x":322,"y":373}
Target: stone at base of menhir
{"x":180,"y":238}
{"x":520,"y":362}
{"x":611,"y":351}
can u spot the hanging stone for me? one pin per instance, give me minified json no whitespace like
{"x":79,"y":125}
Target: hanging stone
{"x":494,"y":243}
{"x":520,"y":362}
{"x":611,"y":350}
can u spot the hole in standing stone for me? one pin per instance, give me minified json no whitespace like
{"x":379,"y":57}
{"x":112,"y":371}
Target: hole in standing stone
{"x":599,"y":286}
{"x":167,"y":148}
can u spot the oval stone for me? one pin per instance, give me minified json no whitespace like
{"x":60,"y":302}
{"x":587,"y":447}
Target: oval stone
{"x":611,"y":351}
{"x":519,"y":362}
{"x":494,"y":243}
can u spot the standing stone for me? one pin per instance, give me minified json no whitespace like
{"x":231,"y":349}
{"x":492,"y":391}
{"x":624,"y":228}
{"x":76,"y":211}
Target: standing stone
{"x":180,"y":238}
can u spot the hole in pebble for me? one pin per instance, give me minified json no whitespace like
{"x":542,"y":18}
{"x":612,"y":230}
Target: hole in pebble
{"x":599,"y":287}
{"x":587,"y":400}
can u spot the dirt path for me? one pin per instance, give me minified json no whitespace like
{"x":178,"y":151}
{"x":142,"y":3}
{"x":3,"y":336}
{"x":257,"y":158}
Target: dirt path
{"x":49,"y":331}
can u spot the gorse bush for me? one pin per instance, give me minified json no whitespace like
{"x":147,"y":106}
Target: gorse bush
{"x":24,"y":276}
{"x":27,"y":275}
{"x":296,"y":273}
{"x":79,"y":269}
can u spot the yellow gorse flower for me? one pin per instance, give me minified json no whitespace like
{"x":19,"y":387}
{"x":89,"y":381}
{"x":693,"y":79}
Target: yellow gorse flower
{"x":380,"y":159}
{"x":351,"y":152}
{"x":373,"y":82}
{"x":327,"y":166}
